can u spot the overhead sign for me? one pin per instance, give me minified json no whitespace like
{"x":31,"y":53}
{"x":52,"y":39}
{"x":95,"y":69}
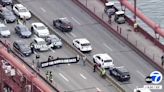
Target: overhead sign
{"x":59,"y":61}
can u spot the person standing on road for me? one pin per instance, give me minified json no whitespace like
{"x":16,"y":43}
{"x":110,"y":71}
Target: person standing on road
{"x":103,"y":73}
{"x":49,"y":58}
{"x":109,"y":18}
{"x":24,"y":20}
{"x":47,"y":74}
{"x":162,"y":60}
{"x":95,"y":67}
{"x":50,"y":77}
{"x":84,"y":60}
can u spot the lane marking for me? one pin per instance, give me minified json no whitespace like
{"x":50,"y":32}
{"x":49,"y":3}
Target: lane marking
{"x":98,"y":89}
{"x":73,"y":34}
{"x":43,"y":9}
{"x":83,"y":76}
{"x":107,"y":47}
{"x":141,"y":74}
{"x":63,"y":77}
{"x":76,"y":20}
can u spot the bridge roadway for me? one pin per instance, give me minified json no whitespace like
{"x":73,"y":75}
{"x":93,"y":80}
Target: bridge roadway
{"x":69,"y":77}
{"x":101,"y":39}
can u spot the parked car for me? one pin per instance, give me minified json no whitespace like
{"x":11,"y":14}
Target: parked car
{"x":21,"y":11}
{"x":142,"y":90}
{"x":39,"y":44}
{"x":7,"y":15}
{"x":104,"y":60}
{"x":119,"y":17}
{"x":22,"y":48}
{"x":63,"y":24}
{"x":6,"y":2}
{"x":82,"y":44}
{"x":40,"y":29}
{"x":4,"y":31}
{"x":120,"y":73}
{"x":109,"y":8}
{"x":53,"y":41}
{"x":23,"y":31}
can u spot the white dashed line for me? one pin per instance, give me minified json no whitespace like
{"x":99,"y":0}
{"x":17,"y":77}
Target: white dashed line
{"x":73,"y":34}
{"x":107,"y":47}
{"x":141,"y":74}
{"x":76,"y":20}
{"x":83,"y":76}
{"x":63,"y":77}
{"x":98,"y":89}
{"x":43,"y":9}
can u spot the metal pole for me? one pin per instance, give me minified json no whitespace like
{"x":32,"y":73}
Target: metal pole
{"x":135,"y":6}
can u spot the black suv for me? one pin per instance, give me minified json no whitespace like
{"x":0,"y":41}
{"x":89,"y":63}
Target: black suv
{"x":120,"y":73}
{"x":63,"y":24}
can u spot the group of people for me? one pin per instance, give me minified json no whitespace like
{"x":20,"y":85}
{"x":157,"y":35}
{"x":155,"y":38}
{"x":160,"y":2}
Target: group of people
{"x":49,"y":76}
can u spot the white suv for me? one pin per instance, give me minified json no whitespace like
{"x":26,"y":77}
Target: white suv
{"x":104,"y":60}
{"x":82,"y":44}
{"x":40,"y":44}
{"x":4,"y":31}
{"x":40,"y":29}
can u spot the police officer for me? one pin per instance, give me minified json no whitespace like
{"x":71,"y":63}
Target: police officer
{"x":47,"y":74}
{"x":103,"y":72}
{"x":50,"y":77}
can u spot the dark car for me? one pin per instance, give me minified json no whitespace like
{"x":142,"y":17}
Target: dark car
{"x":63,"y":24}
{"x":22,"y":48}
{"x":120,"y":73}
{"x":53,"y":41}
{"x":8,"y":15}
{"x":6,"y":2}
{"x":23,"y":31}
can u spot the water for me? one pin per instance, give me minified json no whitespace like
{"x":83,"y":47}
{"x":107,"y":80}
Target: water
{"x":153,"y":9}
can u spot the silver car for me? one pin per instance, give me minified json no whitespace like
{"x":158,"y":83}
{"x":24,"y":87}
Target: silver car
{"x":4,"y":31}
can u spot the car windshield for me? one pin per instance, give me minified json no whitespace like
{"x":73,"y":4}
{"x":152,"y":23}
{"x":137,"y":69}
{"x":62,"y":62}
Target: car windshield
{"x":85,"y":44}
{"x":41,"y":27}
{"x":66,"y":21}
{"x":55,"y":40}
{"x":24,"y":29}
{"x":3,"y":28}
{"x":23,"y":10}
{"x":107,"y":61}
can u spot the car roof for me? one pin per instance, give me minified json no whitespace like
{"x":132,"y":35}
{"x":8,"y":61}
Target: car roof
{"x":19,"y":5}
{"x":144,"y":89}
{"x":39,"y":39}
{"x":38,"y":24}
{"x":83,"y":40}
{"x":2,"y":25}
{"x":109,"y":3}
{"x":119,"y":12}
{"x":104,"y":56}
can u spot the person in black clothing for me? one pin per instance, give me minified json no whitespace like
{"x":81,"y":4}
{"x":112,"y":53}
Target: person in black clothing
{"x":32,"y":48}
{"x":49,"y":58}
{"x":162,"y":60}
{"x":50,"y":77}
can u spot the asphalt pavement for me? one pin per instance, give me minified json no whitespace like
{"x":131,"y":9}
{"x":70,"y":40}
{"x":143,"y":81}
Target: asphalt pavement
{"x":101,"y":39}
{"x":69,"y":77}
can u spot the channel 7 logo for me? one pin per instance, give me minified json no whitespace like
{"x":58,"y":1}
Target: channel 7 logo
{"x":155,"y":77}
